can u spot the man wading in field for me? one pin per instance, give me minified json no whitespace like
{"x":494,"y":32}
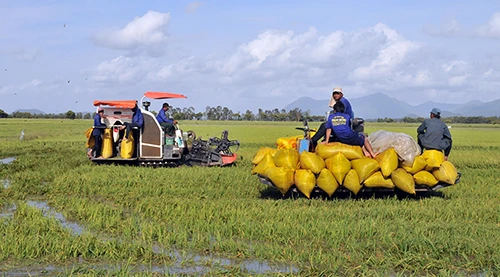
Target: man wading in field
{"x":434,"y":134}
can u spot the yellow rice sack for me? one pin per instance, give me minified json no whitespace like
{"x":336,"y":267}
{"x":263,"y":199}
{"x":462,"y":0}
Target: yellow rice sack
{"x":338,"y":165}
{"x":257,"y":158}
{"x":90,"y":138}
{"x":327,"y":182}
{"x":305,"y":181}
{"x":107,"y":144}
{"x":447,"y":173}
{"x":282,"y":178}
{"x":351,"y":152}
{"x":312,"y":162}
{"x":288,"y":142}
{"x":429,"y":168}
{"x":352,"y":182}
{"x":365,"y":167}
{"x":388,"y":161}
{"x":403,"y":180}
{"x":287,"y":157}
{"x":127,"y":147}
{"x":434,"y":158}
{"x":425,"y":178}
{"x":378,"y":181}
{"x":266,"y":163}
{"x":419,"y":164}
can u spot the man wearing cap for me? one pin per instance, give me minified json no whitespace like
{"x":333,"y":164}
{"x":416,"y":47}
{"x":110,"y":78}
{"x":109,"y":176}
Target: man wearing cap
{"x":434,"y":134}
{"x":337,"y":96}
{"x":166,"y":123}
{"x":97,"y":134}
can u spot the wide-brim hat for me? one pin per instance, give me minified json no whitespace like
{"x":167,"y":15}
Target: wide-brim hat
{"x":337,"y":89}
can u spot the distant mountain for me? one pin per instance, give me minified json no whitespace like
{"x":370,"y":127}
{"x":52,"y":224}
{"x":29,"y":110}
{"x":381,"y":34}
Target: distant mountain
{"x":379,"y":105}
{"x":31,"y":111}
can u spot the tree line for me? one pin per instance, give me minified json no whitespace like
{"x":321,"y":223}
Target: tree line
{"x":224,"y":113}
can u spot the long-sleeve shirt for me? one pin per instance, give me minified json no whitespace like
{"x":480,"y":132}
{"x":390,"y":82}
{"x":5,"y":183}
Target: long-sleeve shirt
{"x":162,"y":117}
{"x":97,"y":123}
{"x":348,"y":109}
{"x":434,"y":134}
{"x":138,"y":118}
{"x":339,"y":124}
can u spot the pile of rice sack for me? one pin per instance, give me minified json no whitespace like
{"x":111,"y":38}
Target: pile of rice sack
{"x":336,"y":164}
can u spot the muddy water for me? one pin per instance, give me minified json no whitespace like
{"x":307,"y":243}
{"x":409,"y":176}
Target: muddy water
{"x":8,"y":160}
{"x":49,"y":212}
{"x":183,"y":263}
{"x":8,"y":210}
{"x":5,"y":183}
{"x":249,"y":265}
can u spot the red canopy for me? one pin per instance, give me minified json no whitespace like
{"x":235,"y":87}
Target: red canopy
{"x":116,"y":103}
{"x":162,"y":95}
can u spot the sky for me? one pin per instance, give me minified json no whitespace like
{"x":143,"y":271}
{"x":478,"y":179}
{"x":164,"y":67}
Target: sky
{"x":57,"y":56}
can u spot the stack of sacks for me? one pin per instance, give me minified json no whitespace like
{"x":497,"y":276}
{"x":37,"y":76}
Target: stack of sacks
{"x":337,"y":164}
{"x":288,"y":142}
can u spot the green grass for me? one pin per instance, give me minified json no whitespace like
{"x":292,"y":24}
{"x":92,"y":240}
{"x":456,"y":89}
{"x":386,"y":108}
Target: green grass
{"x":226,"y":212}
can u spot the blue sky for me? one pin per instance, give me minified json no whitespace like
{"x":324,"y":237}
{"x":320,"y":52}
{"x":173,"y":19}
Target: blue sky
{"x":61,"y":55}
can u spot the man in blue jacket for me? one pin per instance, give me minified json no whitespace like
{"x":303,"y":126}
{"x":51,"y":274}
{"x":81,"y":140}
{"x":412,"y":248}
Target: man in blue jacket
{"x":97,"y":134}
{"x":434,"y":134}
{"x":165,"y":122}
{"x":137,"y":121}
{"x":338,"y":122}
{"x":337,"y":96}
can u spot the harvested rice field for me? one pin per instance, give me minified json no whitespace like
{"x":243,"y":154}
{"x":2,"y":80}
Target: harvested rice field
{"x":62,"y":215}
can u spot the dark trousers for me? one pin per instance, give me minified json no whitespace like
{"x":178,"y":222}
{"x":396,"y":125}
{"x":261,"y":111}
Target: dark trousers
{"x":446,"y":151}
{"x":98,"y":145}
{"x":168,"y":127}
{"x":129,"y":126}
{"x":321,"y":134}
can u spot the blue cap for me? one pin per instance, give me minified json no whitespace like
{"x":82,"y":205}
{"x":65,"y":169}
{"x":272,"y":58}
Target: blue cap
{"x":436,"y":111}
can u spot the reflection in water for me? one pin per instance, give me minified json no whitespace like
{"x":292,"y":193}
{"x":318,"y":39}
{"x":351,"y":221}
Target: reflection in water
{"x":5,"y":183}
{"x":8,"y":160}
{"x":8,"y":211}
{"x":182,"y":263}
{"x":251,"y":266}
{"x":49,"y":212}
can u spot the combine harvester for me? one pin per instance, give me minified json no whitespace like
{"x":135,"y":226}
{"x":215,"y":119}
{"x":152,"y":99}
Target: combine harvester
{"x":296,"y":168}
{"x":149,"y":145}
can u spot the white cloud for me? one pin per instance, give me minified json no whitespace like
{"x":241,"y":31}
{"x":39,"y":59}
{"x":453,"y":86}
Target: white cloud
{"x":448,"y":29}
{"x":391,"y":55}
{"x":193,"y":7}
{"x":146,"y":32}
{"x":491,"y":29}
{"x":277,"y":67}
{"x":122,"y":70}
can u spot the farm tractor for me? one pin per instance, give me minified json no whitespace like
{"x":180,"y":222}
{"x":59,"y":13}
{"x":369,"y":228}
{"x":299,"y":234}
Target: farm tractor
{"x":151,"y":145}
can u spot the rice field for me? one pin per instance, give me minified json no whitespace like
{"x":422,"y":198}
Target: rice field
{"x":62,"y":215}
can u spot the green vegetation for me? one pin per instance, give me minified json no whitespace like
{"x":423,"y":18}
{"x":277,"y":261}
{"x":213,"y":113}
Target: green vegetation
{"x":137,"y":220}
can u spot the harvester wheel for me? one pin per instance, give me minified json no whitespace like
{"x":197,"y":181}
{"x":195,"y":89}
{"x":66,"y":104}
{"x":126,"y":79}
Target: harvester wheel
{"x":191,"y":135}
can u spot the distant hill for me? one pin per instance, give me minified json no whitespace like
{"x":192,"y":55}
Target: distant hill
{"x":31,"y":111}
{"x":379,"y":105}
